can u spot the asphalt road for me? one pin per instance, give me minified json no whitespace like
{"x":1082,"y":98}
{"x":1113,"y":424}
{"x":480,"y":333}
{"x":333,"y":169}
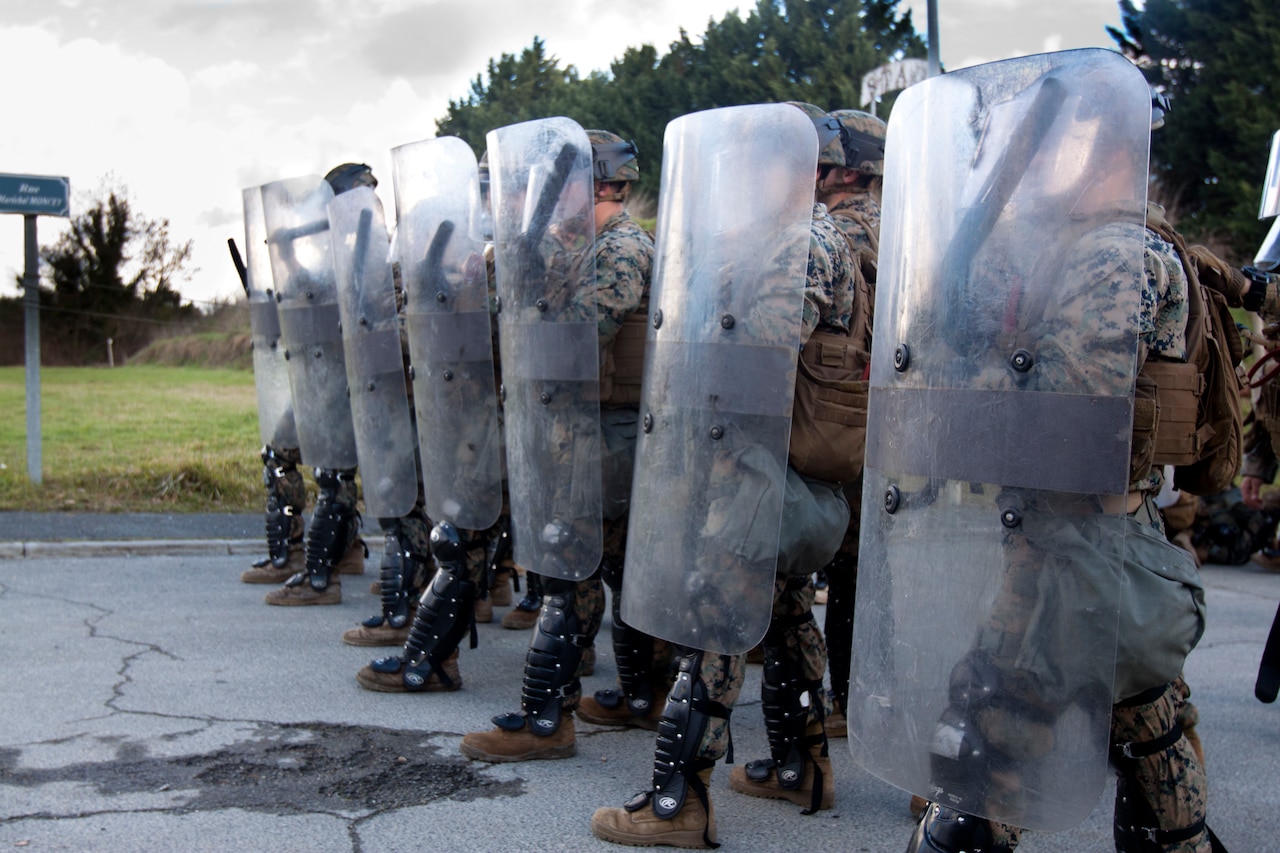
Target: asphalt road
{"x":151,"y":702}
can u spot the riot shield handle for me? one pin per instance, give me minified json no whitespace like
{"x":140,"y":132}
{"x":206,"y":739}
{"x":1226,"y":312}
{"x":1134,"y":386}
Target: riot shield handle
{"x":434,"y":262}
{"x":550,"y":195}
{"x":241,"y":270}
{"x":1003,"y":179}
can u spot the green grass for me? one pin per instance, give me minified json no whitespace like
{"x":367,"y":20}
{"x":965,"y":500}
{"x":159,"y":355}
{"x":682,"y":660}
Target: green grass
{"x":134,"y":439}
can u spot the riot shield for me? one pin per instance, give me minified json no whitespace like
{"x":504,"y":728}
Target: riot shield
{"x":719,"y":376}
{"x":448,"y":324}
{"x":998,"y":438}
{"x":1268,"y":257}
{"x":298,"y":241}
{"x":276,"y":423}
{"x":543,"y":250}
{"x":385,"y":441}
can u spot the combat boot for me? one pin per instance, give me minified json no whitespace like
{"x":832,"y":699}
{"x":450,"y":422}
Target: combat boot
{"x":377,"y":635}
{"x":500,"y":589}
{"x":298,"y":591}
{"x":760,"y":778}
{"x":635,"y":824}
{"x":352,"y":562}
{"x":524,"y":615}
{"x":387,"y":679}
{"x":610,"y":708}
{"x":265,"y":571}
{"x":511,"y":739}
{"x":837,"y":725}
{"x":484,"y":611}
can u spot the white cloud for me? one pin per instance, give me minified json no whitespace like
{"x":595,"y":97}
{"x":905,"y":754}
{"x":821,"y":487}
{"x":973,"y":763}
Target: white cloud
{"x":226,"y":74}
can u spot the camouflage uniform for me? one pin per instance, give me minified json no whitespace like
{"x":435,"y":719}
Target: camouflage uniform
{"x":1260,"y":441}
{"x":623,"y":265}
{"x":828,"y":304}
{"x":1171,"y":779}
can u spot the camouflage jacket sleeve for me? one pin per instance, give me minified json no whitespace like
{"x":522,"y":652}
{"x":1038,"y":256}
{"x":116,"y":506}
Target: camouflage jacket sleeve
{"x":829,"y":283}
{"x":624,"y":264}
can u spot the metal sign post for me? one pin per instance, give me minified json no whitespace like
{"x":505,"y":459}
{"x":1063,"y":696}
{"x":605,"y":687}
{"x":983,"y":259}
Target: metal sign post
{"x":32,"y":196}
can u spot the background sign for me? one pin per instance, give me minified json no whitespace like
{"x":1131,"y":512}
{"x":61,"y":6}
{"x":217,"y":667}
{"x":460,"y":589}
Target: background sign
{"x":891,"y":78}
{"x":35,"y":194}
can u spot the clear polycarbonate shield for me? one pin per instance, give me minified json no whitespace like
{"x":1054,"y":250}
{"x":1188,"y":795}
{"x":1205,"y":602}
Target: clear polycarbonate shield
{"x":1268,"y":257}
{"x":727,"y":303}
{"x":997,"y":466}
{"x":544,"y":230}
{"x":385,"y":439}
{"x":276,"y":424}
{"x":447,"y":320}
{"x":298,"y":242}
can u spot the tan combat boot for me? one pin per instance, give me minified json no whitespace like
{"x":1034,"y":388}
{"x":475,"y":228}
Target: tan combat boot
{"x":500,"y":589}
{"x":837,"y":725}
{"x":693,"y":827}
{"x":352,"y":562}
{"x":380,"y":635}
{"x":501,"y":745}
{"x":520,"y":620}
{"x":801,"y":795}
{"x":610,"y":708}
{"x":484,"y":611}
{"x":264,"y":571}
{"x":298,"y":591}
{"x":392,"y":679}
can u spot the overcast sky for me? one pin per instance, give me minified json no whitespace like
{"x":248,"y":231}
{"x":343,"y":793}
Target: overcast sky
{"x":186,"y":102}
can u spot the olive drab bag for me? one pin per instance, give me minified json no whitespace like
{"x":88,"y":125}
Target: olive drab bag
{"x":1188,"y":414}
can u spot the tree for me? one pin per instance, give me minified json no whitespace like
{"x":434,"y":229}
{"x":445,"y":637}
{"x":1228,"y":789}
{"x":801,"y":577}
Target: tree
{"x":112,"y":275}
{"x":807,"y":50}
{"x":1219,"y":60}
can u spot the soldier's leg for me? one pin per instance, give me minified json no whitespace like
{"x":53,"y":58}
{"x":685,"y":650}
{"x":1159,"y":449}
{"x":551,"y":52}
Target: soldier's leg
{"x":569,"y":619}
{"x":332,"y":543}
{"x":406,"y":554}
{"x":692,"y":735}
{"x":795,"y":658}
{"x":943,"y":830}
{"x":644,"y":665}
{"x":445,"y":614}
{"x":286,"y":500}
{"x":1161,"y":787}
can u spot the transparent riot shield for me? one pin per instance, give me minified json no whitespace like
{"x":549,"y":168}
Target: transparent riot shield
{"x":727,"y":301}
{"x":385,"y":440}
{"x":543,"y":249}
{"x":1268,"y":257}
{"x":298,"y":241}
{"x":997,"y":465}
{"x":449,"y":328}
{"x":276,"y":424}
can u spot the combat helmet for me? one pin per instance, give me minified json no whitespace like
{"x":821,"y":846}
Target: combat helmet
{"x":348,"y":176}
{"x":830,"y":151}
{"x":862,"y":136}
{"x":613,"y":161}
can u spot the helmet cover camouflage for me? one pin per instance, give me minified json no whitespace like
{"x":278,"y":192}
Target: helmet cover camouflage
{"x":348,"y":176}
{"x":862,"y":135}
{"x":830,"y":151}
{"x":612,"y":158}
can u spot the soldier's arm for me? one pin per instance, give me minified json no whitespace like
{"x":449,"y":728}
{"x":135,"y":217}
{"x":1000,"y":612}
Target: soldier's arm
{"x":620,"y":283}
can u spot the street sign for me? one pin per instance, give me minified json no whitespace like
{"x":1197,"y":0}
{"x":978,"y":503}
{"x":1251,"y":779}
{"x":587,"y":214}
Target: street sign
{"x":35,"y":195}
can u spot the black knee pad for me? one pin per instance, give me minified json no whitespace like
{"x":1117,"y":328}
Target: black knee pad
{"x":943,"y":830}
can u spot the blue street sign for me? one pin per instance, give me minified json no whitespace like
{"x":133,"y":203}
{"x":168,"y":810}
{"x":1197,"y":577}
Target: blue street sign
{"x":35,"y":194}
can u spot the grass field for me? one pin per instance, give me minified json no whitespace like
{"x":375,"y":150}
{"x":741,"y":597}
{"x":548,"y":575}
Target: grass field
{"x":134,"y":439}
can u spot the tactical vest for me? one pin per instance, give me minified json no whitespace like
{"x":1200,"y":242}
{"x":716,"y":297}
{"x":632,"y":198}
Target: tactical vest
{"x":622,"y":360}
{"x":829,"y":415}
{"x":1187,"y":414}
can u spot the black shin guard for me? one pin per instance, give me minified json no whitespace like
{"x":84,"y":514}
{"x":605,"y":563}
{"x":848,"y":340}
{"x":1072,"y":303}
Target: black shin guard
{"x":396,"y":578}
{"x":633,"y":651}
{"x":497,"y":551}
{"x":943,"y":830}
{"x":333,"y":529}
{"x":445,"y":615}
{"x":842,"y":586}
{"x":279,"y":515}
{"x":676,"y":763}
{"x":786,"y":718}
{"x":551,"y":664}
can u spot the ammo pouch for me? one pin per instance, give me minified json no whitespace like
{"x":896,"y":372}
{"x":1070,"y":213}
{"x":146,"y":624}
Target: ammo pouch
{"x":829,"y":416}
{"x":1165,"y":413}
{"x":622,"y":362}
